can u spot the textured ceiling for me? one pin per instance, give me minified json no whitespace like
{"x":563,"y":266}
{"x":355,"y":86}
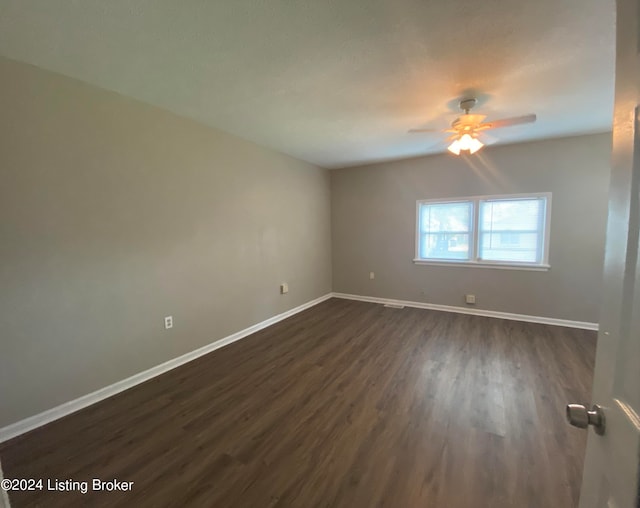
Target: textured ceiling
{"x":334,"y":82}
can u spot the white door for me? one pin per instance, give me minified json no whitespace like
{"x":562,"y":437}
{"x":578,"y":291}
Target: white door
{"x":612,"y":463}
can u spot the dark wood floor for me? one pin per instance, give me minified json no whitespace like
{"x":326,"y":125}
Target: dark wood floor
{"x":347,"y":404}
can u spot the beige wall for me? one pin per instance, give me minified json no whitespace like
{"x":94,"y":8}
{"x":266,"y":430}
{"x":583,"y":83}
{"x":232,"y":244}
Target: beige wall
{"x":373,"y":227}
{"x":114,"y":214}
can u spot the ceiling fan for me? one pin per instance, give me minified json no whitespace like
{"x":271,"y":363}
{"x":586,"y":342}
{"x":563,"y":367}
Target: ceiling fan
{"x":468,"y":129}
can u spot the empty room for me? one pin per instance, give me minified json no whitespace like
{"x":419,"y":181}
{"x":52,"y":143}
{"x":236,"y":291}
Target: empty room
{"x":353,"y":254}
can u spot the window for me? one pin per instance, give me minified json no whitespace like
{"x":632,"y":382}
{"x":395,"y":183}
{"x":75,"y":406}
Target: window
{"x":446,"y":230}
{"x":494,"y":231}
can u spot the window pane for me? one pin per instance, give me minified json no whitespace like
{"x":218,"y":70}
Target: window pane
{"x":445,"y":246}
{"x":445,"y":229}
{"x":512,"y":230}
{"x":521,"y":247}
{"x":516,"y":214}
{"x":446,"y":217}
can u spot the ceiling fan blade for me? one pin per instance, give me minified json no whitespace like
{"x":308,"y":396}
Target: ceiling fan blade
{"x":507,"y":122}
{"x":486,"y":139}
{"x":440,"y":146}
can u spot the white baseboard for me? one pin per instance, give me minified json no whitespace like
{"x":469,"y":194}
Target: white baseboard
{"x":33,"y":422}
{"x":476,"y":312}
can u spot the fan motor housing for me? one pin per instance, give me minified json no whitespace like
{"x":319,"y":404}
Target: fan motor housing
{"x":467,"y":122}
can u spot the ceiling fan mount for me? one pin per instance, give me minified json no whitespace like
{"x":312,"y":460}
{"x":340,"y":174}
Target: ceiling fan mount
{"x":467,"y":104}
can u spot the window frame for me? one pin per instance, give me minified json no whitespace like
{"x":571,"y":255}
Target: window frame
{"x":474,"y":233}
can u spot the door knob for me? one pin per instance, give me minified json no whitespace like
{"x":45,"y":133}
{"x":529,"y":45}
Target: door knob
{"x":579,"y":416}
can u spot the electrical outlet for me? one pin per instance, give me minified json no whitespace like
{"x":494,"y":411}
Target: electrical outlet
{"x":284,"y":288}
{"x":372,"y":275}
{"x":168,"y":322}
{"x":470,"y":299}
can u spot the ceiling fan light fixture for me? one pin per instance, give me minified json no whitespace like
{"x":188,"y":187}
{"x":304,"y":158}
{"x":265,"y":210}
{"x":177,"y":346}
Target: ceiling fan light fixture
{"x":454,"y":147}
{"x":465,"y":142}
{"x":476,"y":145}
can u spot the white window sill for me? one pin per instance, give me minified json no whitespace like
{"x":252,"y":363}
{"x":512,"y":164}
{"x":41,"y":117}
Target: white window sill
{"x":479,"y":264}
